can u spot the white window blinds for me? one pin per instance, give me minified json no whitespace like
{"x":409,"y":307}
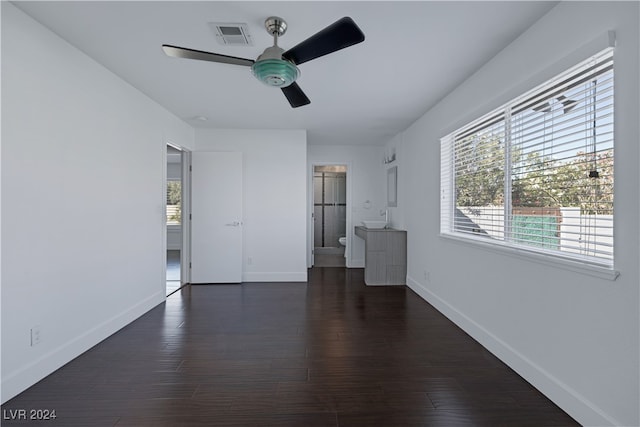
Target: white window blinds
{"x":538,"y":173}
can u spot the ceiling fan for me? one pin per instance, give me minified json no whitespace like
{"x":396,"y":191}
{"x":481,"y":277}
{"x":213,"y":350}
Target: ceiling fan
{"x":277,"y":67}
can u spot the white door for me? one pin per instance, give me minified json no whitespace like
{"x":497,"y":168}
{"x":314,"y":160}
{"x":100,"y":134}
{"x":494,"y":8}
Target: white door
{"x":216,"y":224}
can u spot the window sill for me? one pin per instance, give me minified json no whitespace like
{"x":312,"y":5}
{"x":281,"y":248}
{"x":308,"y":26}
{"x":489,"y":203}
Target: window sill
{"x":594,"y":270}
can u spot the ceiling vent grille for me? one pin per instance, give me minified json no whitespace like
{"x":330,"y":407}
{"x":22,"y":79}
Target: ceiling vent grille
{"x":232,"y":34}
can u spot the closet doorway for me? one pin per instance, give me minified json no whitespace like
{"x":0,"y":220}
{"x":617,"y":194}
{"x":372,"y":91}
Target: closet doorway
{"x":329,"y":215}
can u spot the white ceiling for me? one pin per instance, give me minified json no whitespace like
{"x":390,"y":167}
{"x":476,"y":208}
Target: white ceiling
{"x":414,"y":54}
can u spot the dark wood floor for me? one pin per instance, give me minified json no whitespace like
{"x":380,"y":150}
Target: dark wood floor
{"x":332,"y":352}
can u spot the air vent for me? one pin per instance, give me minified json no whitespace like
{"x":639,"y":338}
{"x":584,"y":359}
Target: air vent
{"x":231,"y":34}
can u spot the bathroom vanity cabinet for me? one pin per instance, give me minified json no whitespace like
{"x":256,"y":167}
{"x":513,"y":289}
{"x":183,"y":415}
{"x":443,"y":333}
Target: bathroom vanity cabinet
{"x":385,"y":256}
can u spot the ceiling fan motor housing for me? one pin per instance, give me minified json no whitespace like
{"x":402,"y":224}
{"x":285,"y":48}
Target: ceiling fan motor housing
{"x":275,"y":25}
{"x":272,"y":70}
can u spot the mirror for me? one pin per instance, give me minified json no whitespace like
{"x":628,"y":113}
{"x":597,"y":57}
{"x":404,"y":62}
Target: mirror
{"x":392,"y":187}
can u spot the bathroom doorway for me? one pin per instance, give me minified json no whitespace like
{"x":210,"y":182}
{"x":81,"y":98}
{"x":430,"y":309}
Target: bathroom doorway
{"x":329,"y":215}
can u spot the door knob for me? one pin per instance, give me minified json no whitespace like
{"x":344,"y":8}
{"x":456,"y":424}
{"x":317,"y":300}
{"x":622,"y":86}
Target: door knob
{"x":233,"y":224}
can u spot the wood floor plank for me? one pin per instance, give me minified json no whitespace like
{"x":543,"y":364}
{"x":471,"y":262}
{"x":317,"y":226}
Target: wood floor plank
{"x":327,"y":352}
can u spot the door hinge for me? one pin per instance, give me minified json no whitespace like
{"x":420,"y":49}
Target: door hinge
{"x":189,"y":216}
{"x":189,"y":265}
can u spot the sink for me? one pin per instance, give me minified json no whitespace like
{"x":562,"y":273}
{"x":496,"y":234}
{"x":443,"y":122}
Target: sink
{"x":378,"y":225}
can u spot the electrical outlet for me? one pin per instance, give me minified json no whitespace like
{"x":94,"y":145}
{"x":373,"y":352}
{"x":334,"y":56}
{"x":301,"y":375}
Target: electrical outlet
{"x":36,"y":335}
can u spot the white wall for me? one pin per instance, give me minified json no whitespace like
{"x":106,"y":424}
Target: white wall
{"x":364,"y":183}
{"x":275,"y":197}
{"x":65,"y":267}
{"x":573,"y":336}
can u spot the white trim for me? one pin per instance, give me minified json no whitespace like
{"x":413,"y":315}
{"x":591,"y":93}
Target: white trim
{"x":532,"y":255}
{"x":556,"y":390}
{"x":287,"y":276}
{"x":310,"y":202}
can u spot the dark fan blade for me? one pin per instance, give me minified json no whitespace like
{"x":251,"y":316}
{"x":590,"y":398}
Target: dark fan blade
{"x":183,"y":52}
{"x":295,"y":95}
{"x":342,"y":33}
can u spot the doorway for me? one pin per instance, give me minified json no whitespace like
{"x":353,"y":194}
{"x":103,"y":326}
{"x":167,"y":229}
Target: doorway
{"x":174,"y":211}
{"x":329,"y":215}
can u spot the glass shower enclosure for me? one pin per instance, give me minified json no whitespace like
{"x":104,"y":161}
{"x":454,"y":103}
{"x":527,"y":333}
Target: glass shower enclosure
{"x":329,"y":208}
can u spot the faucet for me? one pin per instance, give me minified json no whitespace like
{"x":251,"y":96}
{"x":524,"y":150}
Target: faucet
{"x":386,"y":215}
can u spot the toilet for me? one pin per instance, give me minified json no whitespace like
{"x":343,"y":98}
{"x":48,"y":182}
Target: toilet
{"x":343,"y":242}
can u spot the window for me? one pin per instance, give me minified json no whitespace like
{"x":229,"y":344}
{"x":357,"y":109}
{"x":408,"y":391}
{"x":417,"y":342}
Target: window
{"x":537,"y":174}
{"x":174,"y":195}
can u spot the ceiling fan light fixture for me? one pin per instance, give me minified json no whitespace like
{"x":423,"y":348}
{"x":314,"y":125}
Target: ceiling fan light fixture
{"x":275,"y":72}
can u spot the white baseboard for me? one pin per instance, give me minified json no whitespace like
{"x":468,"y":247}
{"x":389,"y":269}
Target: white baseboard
{"x":572,"y":402}
{"x":288,"y":276}
{"x":21,"y":379}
